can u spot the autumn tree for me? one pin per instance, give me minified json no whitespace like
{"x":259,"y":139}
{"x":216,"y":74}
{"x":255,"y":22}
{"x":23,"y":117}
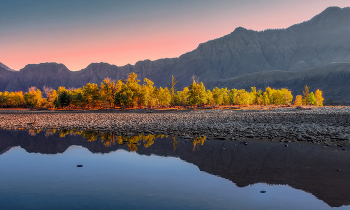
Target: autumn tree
{"x":259,"y":98}
{"x":129,"y":94}
{"x":210,"y":98}
{"x":33,"y":97}
{"x":108,"y":90}
{"x":52,"y":98}
{"x":233,"y":96}
{"x":218,"y":96}
{"x":306,"y":94}
{"x":2,"y":99}
{"x":18,"y":99}
{"x":243,"y":97}
{"x":253,"y":95}
{"x":319,"y":98}
{"x":183,"y":96}
{"x":11,"y":99}
{"x":298,"y":100}
{"x":148,"y":95}
{"x":287,"y":96}
{"x":196,"y":94}
{"x":172,"y":89}
{"x":47,"y":90}
{"x":91,"y":95}
{"x":267,"y":95}
{"x":164,"y":96}
{"x":77,"y":97}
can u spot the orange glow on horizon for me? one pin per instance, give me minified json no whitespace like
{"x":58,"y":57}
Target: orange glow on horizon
{"x":79,"y":45}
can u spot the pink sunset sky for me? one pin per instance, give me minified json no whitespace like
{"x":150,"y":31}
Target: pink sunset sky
{"x":77,"y":33}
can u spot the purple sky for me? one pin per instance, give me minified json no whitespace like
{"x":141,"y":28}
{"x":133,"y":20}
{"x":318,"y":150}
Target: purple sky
{"x":77,"y":33}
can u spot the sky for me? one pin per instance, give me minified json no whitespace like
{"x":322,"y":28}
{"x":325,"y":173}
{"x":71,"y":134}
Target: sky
{"x":79,"y":32}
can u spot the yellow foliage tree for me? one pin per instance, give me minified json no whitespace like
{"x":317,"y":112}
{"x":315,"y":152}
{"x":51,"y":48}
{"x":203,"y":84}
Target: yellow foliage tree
{"x":298,"y":100}
{"x":319,"y":98}
{"x":33,"y":97}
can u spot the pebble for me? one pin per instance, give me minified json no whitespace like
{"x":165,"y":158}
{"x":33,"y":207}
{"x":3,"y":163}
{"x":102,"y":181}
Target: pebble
{"x":328,"y":125}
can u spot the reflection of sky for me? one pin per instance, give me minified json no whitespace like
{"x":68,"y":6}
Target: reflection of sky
{"x":119,"y":32}
{"x":125,"y":180}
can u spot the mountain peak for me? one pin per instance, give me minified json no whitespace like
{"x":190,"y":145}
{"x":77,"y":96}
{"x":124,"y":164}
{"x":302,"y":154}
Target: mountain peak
{"x":6,"y":67}
{"x":330,"y":16}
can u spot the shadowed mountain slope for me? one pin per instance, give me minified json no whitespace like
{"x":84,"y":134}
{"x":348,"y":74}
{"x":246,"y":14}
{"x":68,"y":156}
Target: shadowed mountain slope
{"x":320,"y":41}
{"x":333,"y":79}
{"x":6,"y":67}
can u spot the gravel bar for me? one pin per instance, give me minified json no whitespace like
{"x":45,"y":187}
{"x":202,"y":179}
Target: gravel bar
{"x":326,"y":125}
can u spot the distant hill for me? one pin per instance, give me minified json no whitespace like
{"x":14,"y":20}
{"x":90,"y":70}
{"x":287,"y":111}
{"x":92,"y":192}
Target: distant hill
{"x":323,"y":40}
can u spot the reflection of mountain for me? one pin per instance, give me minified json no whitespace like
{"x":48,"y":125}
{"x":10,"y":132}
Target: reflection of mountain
{"x":311,"y":168}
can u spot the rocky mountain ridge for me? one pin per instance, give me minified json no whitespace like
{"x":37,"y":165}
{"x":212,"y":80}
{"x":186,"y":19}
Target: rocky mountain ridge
{"x":320,"y":41}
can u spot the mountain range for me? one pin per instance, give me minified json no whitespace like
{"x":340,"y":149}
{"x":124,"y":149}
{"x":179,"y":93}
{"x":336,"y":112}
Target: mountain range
{"x":314,"y":53}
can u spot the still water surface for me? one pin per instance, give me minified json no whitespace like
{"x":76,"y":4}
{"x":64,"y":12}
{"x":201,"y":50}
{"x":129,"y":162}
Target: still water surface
{"x":155,"y":177}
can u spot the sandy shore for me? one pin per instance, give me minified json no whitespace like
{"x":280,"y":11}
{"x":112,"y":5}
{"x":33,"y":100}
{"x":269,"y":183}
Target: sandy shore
{"x":326,"y":125}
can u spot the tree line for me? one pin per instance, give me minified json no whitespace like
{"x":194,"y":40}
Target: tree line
{"x":130,"y":93}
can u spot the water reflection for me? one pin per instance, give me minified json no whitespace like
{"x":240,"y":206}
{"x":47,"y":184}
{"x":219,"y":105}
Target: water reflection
{"x":110,"y":139}
{"x":324,"y":172}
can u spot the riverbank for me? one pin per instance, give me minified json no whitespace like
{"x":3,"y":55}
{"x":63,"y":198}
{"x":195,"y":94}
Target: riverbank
{"x":324,"y":125}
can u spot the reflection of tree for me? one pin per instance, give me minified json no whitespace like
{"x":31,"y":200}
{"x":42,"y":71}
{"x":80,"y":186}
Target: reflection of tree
{"x":109,"y":139}
{"x":198,"y":140}
{"x":49,"y":133}
{"x":148,"y":139}
{"x":32,"y":132}
{"x":90,"y":135}
{"x":175,"y":143}
{"x":63,"y":133}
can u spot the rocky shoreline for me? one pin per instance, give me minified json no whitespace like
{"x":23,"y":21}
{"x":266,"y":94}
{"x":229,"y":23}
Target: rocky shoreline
{"x":325,"y":125}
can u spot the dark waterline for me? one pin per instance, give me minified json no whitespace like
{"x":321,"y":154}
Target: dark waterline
{"x":43,"y":174}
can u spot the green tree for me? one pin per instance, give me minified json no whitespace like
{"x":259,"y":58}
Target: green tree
{"x":64,"y":99}
{"x":312,"y":98}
